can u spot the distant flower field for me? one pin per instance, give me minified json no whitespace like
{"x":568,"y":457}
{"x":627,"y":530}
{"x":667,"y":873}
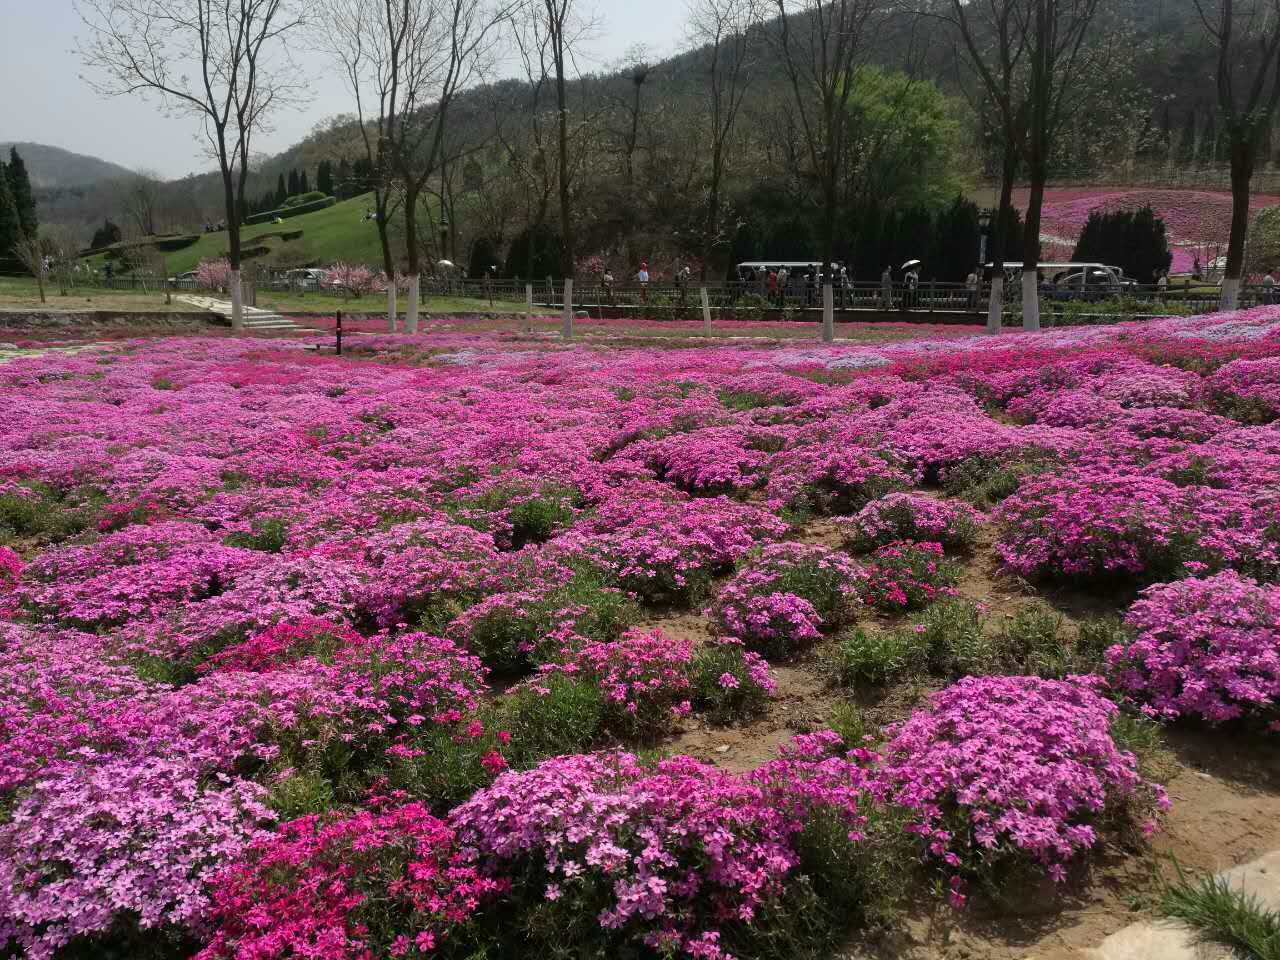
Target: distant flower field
{"x":1199,"y":221}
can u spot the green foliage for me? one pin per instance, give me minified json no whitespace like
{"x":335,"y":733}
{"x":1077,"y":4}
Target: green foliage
{"x":876,"y":658}
{"x":535,"y":253}
{"x":1134,"y":240}
{"x":300,"y":793}
{"x":309,"y":206}
{"x":920,"y":151}
{"x":567,"y":718}
{"x":1029,"y":642}
{"x":267,"y":535}
{"x":719,"y":703}
{"x":10,"y":223}
{"x":24,"y":201}
{"x":985,"y":481}
{"x":46,"y":514}
{"x":310,"y":196}
{"x":1096,"y":635}
{"x":956,"y":644}
{"x":1225,"y":914}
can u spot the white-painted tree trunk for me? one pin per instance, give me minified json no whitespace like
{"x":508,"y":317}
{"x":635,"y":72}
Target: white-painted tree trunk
{"x":1230,"y":298}
{"x":237,"y":301}
{"x":995,"y":311}
{"x":567,"y":320}
{"x":828,"y":314}
{"x":1030,"y":300}
{"x":411,"y":306}
{"x":528,"y":308}
{"x":706,"y":310}
{"x":391,"y":307}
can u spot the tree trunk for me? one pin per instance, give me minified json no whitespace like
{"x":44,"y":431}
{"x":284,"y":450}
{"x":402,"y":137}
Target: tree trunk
{"x":233,"y":248}
{"x":388,"y":261}
{"x":1004,"y":214}
{"x":1241,"y":177}
{"x":411,"y":244}
{"x":1031,"y":252}
{"x":566,"y":214}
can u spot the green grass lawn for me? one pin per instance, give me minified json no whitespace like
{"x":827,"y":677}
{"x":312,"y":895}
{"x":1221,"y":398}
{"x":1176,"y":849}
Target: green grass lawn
{"x":335,"y":233}
{"x":18,"y":293}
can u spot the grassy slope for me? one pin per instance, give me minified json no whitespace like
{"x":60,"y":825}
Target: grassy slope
{"x":335,"y":233}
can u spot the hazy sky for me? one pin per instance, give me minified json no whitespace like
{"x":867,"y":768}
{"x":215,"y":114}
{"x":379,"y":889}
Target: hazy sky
{"x":45,"y":100}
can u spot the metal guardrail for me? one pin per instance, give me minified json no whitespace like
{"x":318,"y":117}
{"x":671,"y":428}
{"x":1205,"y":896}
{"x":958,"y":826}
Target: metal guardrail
{"x":730,"y":298}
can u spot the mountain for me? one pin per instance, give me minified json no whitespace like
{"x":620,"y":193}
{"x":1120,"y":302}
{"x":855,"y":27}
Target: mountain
{"x":54,"y":167}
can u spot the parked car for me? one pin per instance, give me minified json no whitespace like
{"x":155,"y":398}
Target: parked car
{"x":1090,"y":283}
{"x":188,"y":278}
{"x":307,"y":278}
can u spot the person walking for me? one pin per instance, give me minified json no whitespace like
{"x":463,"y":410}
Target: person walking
{"x":886,"y":289}
{"x":771,"y":286}
{"x":643,"y":279}
{"x":783,"y":277}
{"x":607,"y":280}
{"x":913,"y":284}
{"x":1162,"y":285}
{"x":971,"y":288}
{"x":1268,"y":288}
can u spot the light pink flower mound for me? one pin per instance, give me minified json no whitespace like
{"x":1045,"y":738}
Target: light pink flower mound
{"x":1207,"y":648}
{"x":1011,"y":766}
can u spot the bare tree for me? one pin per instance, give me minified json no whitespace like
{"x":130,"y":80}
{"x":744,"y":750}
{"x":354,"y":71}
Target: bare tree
{"x":371,"y":39}
{"x":1246,"y":34}
{"x":560,"y":22}
{"x":449,"y":47}
{"x":222,"y":61}
{"x":30,"y":252}
{"x":821,"y":44}
{"x":724,"y":27}
{"x":1059,"y":61}
{"x":139,"y":197}
{"x":992,"y":44}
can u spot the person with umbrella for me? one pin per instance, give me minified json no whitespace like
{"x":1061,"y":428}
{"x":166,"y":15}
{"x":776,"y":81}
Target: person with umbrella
{"x":912,"y":278}
{"x":886,"y":288}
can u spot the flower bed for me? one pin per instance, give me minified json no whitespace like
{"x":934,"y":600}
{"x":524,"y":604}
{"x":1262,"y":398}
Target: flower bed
{"x":245,"y":584}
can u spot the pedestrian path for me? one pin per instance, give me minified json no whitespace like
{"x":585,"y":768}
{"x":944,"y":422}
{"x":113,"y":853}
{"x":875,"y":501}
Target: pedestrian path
{"x":255,"y":319}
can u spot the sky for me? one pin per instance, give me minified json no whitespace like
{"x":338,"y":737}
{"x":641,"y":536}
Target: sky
{"x":46,"y":100}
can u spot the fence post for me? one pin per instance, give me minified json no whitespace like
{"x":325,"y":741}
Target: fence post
{"x":338,"y":347}
{"x":706,"y":309}
{"x":828,"y":314}
{"x":528,"y":308}
{"x":567,"y":321}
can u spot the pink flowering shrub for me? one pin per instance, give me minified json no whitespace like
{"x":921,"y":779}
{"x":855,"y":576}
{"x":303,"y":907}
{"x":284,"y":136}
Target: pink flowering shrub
{"x":213,"y":274}
{"x":1094,"y":524}
{"x":667,"y":553}
{"x":710,"y":460}
{"x":91,"y":845}
{"x":351,"y":279}
{"x":782,"y":598}
{"x":379,"y":883}
{"x":907,"y":576}
{"x":832,"y":478}
{"x":284,"y":643}
{"x":1001,"y":769}
{"x":1208,"y":648}
{"x":1248,"y":390}
{"x":10,"y":572}
{"x":910,"y":516}
{"x":667,"y":856}
{"x":134,"y":573}
{"x":519,"y":629}
{"x":644,"y":677}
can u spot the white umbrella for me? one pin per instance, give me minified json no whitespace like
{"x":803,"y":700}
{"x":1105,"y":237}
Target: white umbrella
{"x":447,"y":264}
{"x":910,"y":263}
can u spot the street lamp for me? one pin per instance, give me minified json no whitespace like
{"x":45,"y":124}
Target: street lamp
{"x":444,"y":236}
